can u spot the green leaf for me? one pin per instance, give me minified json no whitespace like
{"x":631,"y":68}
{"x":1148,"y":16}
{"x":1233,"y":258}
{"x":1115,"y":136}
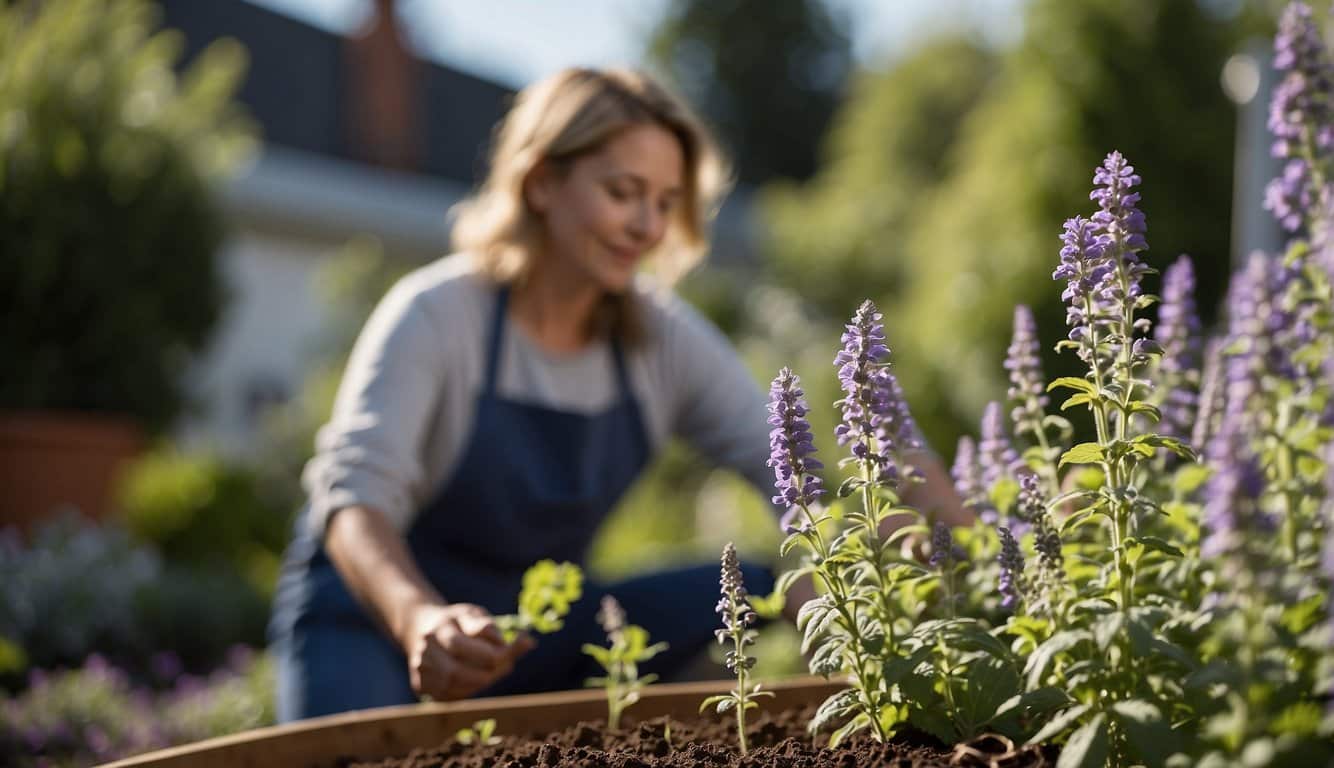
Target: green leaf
{"x":1015,"y":713}
{"x":833,"y":708}
{"x":1082,"y":453}
{"x":899,"y":667}
{"x":816,"y":627}
{"x":1142,"y":407}
{"x":1149,"y":735}
{"x":1106,"y":628}
{"x":932,"y":718}
{"x":850,"y":486}
{"x":1304,"y":614}
{"x":1087,"y":747}
{"x":786,"y":579}
{"x":852,"y":726}
{"x":1059,"y":724}
{"x":827,"y":659}
{"x":1082,"y":516}
{"x":1172,"y":444}
{"x":1158,"y":545}
{"x":1043,"y":655}
{"x":768,"y":606}
{"x":712,"y":701}
{"x":1144,"y":642}
{"x":600,"y":655}
{"x":1189,"y":478}
{"x":812,"y":610}
{"x":1076,"y":399}
{"x":1071,"y":382}
{"x":988,"y":683}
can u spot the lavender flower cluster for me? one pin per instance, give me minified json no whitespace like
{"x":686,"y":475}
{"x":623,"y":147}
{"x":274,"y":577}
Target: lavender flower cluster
{"x":1301,"y":117}
{"x":792,"y":450}
{"x":876,"y":421}
{"x":735,"y":611}
{"x":1179,"y":334}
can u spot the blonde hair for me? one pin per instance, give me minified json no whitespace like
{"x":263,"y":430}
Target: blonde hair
{"x":573,"y":113}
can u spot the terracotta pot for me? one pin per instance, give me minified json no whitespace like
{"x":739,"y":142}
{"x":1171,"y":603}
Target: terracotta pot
{"x":389,"y":731}
{"x":51,"y":461}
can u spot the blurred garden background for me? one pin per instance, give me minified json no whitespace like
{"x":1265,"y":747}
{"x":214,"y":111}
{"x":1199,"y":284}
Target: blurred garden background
{"x":200,"y":202}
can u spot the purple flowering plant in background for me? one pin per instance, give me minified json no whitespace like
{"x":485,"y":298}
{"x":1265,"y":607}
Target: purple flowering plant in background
{"x":1047,"y":434}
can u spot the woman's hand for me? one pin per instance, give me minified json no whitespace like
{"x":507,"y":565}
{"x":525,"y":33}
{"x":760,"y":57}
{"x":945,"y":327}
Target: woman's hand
{"x":456,"y":650}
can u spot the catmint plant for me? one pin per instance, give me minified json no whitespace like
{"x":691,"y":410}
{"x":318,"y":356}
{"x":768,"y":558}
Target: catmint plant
{"x":1029,"y":400}
{"x":627,"y":647}
{"x":737,"y":619}
{"x":1142,"y":606}
{"x":1301,"y":117}
{"x":1180,"y":337}
{"x":549,"y":589}
{"x":834,"y":626}
{"x":967,"y":474}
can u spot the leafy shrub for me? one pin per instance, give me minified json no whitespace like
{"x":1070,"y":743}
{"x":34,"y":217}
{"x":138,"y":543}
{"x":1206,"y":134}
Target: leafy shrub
{"x":105,"y":208}
{"x":78,"y":588}
{"x":205,"y":510}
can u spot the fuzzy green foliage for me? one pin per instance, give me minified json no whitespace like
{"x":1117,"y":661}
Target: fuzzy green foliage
{"x":549,"y":589}
{"x":106,"y":210}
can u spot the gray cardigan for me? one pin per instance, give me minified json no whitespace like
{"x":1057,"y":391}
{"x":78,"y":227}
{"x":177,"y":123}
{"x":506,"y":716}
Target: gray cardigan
{"x":406,"y":401}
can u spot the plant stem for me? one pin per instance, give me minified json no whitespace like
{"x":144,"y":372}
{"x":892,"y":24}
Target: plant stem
{"x":838,"y":589}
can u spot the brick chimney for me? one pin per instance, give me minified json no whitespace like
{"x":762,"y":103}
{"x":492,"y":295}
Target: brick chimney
{"x":382,"y":104}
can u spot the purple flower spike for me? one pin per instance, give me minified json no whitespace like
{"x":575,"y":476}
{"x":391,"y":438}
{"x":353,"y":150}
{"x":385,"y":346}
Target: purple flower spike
{"x":895,"y":429}
{"x":1232,"y":493}
{"x":1084,"y":269}
{"x":1211,"y":396}
{"x":942,"y":546}
{"x":967,"y":474}
{"x":996,"y":454}
{"x":1248,"y":304}
{"x":876,"y":421}
{"x":863,"y":352}
{"x":1301,"y":114}
{"x":1031,"y":505}
{"x":1179,"y":335}
{"x":1120,"y":226}
{"x":734,"y":608}
{"x":1289,"y":195}
{"x":1028,"y":392}
{"x":1119,"y":219}
{"x":1010,"y":584}
{"x":791,"y":449}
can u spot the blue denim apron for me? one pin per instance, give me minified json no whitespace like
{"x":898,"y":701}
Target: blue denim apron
{"x":533,"y":482}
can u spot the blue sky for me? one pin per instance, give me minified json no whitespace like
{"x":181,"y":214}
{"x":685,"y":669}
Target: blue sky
{"x":516,"y":41}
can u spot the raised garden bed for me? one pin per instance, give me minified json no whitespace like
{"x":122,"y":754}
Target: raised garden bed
{"x":564,"y":729}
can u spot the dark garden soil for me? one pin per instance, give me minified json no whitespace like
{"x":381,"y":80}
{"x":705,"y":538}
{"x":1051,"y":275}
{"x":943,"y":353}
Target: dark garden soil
{"x":779,"y":740}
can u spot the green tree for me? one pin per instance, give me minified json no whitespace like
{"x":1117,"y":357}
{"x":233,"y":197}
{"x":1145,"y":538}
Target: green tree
{"x":971,"y":228}
{"x":108,"y":223}
{"x":768,"y":74}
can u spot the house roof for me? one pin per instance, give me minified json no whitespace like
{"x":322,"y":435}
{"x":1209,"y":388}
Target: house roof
{"x":295,"y":88}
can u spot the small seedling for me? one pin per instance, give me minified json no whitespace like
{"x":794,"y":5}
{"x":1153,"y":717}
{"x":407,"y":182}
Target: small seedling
{"x":627,"y":648}
{"x":482,"y":732}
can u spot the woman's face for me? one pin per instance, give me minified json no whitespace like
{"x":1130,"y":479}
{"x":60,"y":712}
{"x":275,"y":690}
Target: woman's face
{"x":610,"y":207}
